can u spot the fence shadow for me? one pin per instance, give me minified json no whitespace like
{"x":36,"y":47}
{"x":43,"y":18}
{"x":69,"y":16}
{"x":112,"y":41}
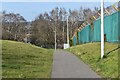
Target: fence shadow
{"x":112,"y":50}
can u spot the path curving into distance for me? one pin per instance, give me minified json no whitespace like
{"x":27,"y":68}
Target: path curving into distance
{"x":67,"y":65}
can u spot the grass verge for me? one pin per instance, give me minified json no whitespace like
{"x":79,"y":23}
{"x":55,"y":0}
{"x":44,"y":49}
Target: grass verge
{"x":90,"y":54}
{"x":22,"y":60}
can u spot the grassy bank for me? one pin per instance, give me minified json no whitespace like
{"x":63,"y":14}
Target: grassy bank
{"x":90,"y":54}
{"x":22,"y":60}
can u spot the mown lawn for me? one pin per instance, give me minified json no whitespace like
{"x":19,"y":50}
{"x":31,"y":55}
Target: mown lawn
{"x":90,"y":54}
{"x":22,"y":60}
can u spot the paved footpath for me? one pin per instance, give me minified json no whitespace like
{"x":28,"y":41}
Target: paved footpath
{"x":67,"y":65}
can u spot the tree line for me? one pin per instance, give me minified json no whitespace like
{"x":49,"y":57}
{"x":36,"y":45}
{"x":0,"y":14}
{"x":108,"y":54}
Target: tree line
{"x":41,"y":30}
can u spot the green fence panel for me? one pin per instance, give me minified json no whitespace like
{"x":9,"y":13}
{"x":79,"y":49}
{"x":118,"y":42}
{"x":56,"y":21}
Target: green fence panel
{"x":79,"y":39}
{"x":84,"y":35}
{"x":119,"y":26}
{"x":108,"y":28}
{"x":91,"y":34}
{"x":111,"y":27}
{"x":115,"y":27}
{"x":97,"y":31}
{"x":74,"y":40}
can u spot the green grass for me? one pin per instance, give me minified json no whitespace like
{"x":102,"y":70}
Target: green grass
{"x":22,"y":60}
{"x":90,"y":54}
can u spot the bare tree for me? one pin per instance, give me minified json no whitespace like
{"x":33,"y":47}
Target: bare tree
{"x":13,"y":26}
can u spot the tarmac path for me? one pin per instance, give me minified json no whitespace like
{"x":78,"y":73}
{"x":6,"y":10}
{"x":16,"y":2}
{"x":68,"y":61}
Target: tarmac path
{"x":67,"y":65}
